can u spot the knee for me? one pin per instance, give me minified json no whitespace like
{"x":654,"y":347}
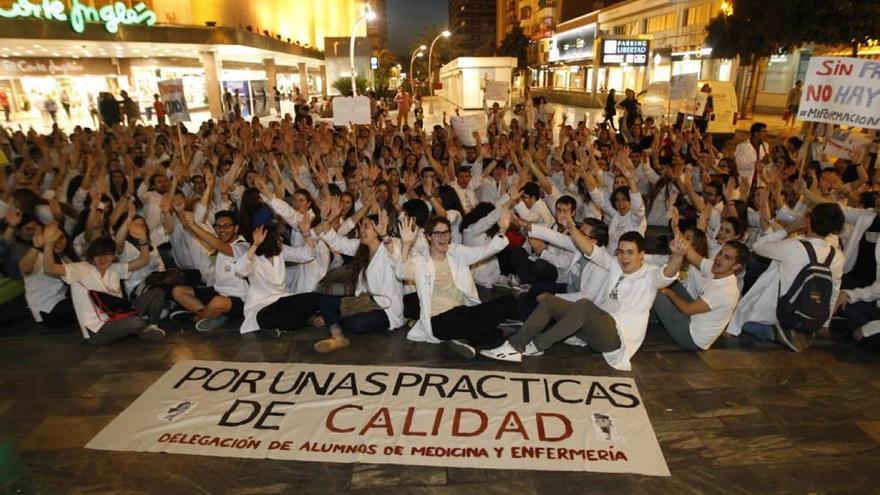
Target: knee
{"x":181,"y":291}
{"x":220,"y":303}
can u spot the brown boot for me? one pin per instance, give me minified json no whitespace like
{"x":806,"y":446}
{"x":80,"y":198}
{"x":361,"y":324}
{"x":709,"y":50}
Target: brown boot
{"x":336,"y":341}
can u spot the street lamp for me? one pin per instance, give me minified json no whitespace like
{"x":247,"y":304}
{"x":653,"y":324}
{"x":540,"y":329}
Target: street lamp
{"x":369,"y":15}
{"x":444,"y":34}
{"x":420,"y":51}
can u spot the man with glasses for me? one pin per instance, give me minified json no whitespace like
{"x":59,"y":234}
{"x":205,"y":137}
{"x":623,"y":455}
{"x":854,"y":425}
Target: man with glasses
{"x":449,"y":307}
{"x":615,"y":321}
{"x":212,"y":306}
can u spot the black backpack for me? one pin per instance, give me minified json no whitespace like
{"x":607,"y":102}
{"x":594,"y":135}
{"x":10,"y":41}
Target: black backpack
{"x":807,"y":304}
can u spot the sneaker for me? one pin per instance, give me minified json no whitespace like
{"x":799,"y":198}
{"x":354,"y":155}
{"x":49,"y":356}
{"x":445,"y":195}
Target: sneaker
{"x":462,"y":348}
{"x":164,"y":313}
{"x":504,"y":352}
{"x":210,"y":324}
{"x":270,"y":333}
{"x":575,"y":341}
{"x":180,"y":316}
{"x":795,"y":341}
{"x":532,"y":351}
{"x":502,"y":281}
{"x":152,"y":333}
{"x":521,"y":289}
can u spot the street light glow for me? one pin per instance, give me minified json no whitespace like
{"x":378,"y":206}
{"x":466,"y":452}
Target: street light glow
{"x":446,"y":33}
{"x":423,"y":47}
{"x":370,"y":15}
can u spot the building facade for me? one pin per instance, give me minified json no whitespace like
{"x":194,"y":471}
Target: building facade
{"x":475,"y":27}
{"x":63,"y":48}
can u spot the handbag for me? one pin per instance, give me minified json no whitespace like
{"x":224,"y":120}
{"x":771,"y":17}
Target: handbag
{"x":350,"y":305}
{"x":171,"y":277}
{"x":113,"y":307}
{"x":786,"y":115}
{"x":338,"y":281}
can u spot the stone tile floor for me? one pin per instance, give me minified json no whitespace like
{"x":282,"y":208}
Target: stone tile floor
{"x":746,"y":417}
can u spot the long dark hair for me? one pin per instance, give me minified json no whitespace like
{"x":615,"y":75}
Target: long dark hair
{"x":250,"y":203}
{"x":271,"y":245}
{"x":476,"y":214}
{"x":449,"y":198}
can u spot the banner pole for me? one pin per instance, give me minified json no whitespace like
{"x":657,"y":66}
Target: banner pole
{"x":808,"y":145}
{"x":180,"y":144}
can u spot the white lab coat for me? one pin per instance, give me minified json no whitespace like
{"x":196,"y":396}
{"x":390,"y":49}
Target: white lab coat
{"x":303,"y":277}
{"x":559,"y":252}
{"x":268,"y":280}
{"x":759,"y":303}
{"x":378,"y":278}
{"x":421,"y":269}
{"x":635,"y":296}
{"x":869,"y":293}
{"x":485,"y":272}
{"x":619,"y":224}
{"x":860,"y":219}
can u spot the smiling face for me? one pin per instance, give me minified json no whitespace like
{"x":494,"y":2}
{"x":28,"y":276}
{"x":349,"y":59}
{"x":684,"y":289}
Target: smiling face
{"x":439,"y":238}
{"x":226,"y":229}
{"x":301,"y":203}
{"x":726,"y":233}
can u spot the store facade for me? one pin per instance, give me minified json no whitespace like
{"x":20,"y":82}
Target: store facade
{"x":71,"y":50}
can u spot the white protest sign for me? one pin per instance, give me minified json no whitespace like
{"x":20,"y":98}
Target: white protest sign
{"x":391,"y":415}
{"x":496,"y":91}
{"x":846,"y":145}
{"x":465,"y":125}
{"x":842,"y":90}
{"x":700,"y":101}
{"x":172,"y":96}
{"x":355,"y":110}
{"x":683,"y":87}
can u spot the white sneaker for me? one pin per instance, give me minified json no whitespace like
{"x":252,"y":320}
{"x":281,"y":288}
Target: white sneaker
{"x":152,"y":332}
{"x":502,"y":281}
{"x":532,"y":351}
{"x":575,"y":341}
{"x":504,"y":352}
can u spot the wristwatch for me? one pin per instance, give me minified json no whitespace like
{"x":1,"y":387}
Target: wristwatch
{"x":143,"y":243}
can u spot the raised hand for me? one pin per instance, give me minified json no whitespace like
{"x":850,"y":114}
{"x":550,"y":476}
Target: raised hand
{"x":305,"y":223}
{"x":382,"y":226}
{"x":39,"y":239}
{"x":408,"y":230}
{"x":13,"y":217}
{"x":679,"y":245}
{"x":259,"y":235}
{"x":504,"y":219}
{"x":51,"y":232}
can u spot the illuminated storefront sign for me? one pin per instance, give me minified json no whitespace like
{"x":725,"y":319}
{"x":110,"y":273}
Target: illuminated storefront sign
{"x":616,"y":52}
{"x":573,"y":45}
{"x":111,"y":16}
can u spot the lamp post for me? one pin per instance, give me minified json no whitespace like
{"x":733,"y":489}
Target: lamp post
{"x":369,"y":15}
{"x":444,"y":34}
{"x":420,"y":51}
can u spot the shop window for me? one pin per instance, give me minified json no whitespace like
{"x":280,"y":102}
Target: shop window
{"x":628,"y":29}
{"x":698,"y":15}
{"x":661,"y":22}
{"x":780,"y":74}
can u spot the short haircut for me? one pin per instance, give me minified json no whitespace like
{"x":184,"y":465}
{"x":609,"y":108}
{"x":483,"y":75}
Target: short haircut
{"x":567,"y":200}
{"x":417,"y":210}
{"x":100,"y":247}
{"x":432,"y":223}
{"x":226,"y":214}
{"x":532,"y":189}
{"x":621,"y":190}
{"x":462,"y":168}
{"x":826,"y":219}
{"x":742,"y":252}
{"x":598,"y":231}
{"x":633,"y":236}
{"x":757,"y":127}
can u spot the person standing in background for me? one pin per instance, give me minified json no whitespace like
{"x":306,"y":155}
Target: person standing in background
{"x":793,"y":102}
{"x":65,"y":102}
{"x":159,"y":109}
{"x":4,"y":104}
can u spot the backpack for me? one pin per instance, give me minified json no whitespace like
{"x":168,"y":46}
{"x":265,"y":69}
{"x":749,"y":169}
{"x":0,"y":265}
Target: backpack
{"x":807,"y":304}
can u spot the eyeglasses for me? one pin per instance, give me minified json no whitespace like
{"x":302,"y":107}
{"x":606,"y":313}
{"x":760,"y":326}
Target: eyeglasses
{"x":441,"y":233}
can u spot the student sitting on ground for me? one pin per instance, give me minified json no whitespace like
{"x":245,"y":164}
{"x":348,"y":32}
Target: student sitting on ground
{"x":615,"y":323}
{"x":695,"y":322}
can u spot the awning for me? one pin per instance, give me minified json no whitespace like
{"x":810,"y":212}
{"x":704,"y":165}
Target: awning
{"x":871,"y":52}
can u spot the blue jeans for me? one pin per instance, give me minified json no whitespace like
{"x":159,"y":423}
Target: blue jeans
{"x":368,"y":321}
{"x":760,"y":330}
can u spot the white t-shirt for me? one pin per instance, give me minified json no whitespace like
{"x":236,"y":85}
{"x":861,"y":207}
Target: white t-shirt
{"x":721,"y":295}
{"x":226,"y":281}
{"x":83,"y":277}
{"x":42,"y":291}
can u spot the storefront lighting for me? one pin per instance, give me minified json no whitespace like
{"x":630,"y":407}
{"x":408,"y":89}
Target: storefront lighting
{"x":657,"y":59}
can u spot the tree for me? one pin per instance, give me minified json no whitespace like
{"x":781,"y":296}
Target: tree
{"x":387,"y":62}
{"x":343,"y":85}
{"x":758,"y":29}
{"x":516,"y":44}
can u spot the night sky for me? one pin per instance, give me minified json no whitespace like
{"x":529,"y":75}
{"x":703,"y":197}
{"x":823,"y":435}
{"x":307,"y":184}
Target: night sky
{"x":407,"y":19}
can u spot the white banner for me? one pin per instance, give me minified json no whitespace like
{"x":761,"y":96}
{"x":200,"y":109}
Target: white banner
{"x":355,"y":110}
{"x":842,"y":90}
{"x":846,"y":145}
{"x":683,"y":87}
{"x":496,"y":91}
{"x":465,"y":125}
{"x":391,"y":415}
{"x":172,"y":96}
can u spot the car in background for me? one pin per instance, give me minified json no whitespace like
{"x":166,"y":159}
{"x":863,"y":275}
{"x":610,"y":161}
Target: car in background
{"x":722,"y":121}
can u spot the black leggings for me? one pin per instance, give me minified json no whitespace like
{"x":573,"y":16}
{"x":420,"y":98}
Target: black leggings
{"x":289,"y":312}
{"x":476,"y":324}
{"x":530,"y":272}
{"x":363,"y":322}
{"x":62,"y":315}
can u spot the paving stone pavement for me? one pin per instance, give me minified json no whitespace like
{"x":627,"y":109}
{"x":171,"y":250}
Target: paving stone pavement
{"x":745,"y":417}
